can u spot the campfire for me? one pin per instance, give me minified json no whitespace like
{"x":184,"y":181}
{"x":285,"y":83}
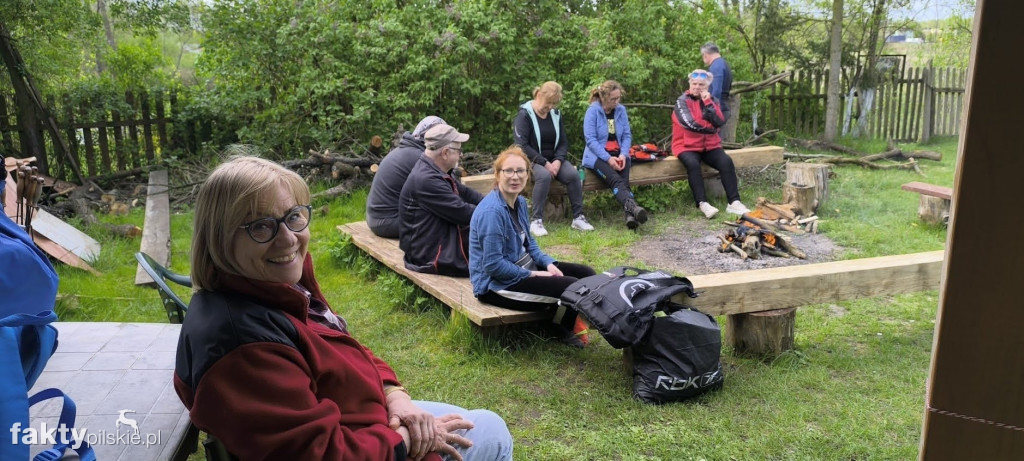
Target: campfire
{"x":757,"y":232}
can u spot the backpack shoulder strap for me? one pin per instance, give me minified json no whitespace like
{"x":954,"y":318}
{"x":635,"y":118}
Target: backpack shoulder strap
{"x":67,"y":419}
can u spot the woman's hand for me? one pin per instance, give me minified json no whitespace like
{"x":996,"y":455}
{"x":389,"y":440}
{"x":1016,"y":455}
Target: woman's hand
{"x":445,"y":437}
{"x":540,"y":274}
{"x":553,"y":167}
{"x":554,"y":270}
{"x":617,"y":163}
{"x":420,"y":424}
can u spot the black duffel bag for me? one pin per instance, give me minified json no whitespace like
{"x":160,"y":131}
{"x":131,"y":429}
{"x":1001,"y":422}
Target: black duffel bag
{"x":620,"y":302}
{"x":679,"y":358}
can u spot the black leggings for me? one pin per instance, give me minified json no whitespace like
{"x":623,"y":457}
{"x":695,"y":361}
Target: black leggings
{"x":617,"y":181}
{"x":544,"y":292}
{"x":718,"y":160}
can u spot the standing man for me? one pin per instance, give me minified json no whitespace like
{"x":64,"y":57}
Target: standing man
{"x":435,"y":208}
{"x":382,"y":203}
{"x":721,"y":84}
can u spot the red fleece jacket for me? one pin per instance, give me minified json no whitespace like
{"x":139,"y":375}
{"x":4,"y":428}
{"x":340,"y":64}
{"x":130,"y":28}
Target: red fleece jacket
{"x":272,"y":385}
{"x":685,"y":140}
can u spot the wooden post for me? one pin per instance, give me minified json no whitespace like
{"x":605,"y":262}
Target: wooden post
{"x":929,"y":103}
{"x":803,"y":198}
{"x":809,"y":174}
{"x":763,"y":334}
{"x":933,"y":210}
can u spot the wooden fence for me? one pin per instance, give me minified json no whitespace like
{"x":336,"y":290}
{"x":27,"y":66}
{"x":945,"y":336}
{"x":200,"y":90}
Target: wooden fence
{"x":119,"y":137}
{"x":912,"y":107}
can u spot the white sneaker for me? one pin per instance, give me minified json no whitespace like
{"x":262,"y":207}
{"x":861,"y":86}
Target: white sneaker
{"x":708,"y":210}
{"x":537,"y":228}
{"x":580,"y":223}
{"x":737,"y":208}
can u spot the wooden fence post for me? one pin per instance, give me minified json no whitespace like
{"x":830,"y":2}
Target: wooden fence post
{"x":929,"y":106}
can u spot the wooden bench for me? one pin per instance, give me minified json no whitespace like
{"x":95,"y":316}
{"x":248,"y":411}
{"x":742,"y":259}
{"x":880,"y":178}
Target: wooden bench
{"x":644,"y":173}
{"x":455,"y":292}
{"x":935,"y":201}
{"x":733,"y":294}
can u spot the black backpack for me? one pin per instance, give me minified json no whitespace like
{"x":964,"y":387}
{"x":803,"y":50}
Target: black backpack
{"x":620,"y":303}
{"x":679,"y":358}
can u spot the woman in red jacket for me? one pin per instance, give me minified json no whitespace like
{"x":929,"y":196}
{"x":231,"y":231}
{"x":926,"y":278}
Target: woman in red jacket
{"x":695,"y":122}
{"x":266,"y":365}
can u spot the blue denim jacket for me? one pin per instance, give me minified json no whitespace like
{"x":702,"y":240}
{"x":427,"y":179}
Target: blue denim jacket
{"x":495,"y":246}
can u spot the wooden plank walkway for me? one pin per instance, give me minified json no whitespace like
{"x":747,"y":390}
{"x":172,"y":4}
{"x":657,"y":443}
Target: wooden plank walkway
{"x":156,"y":230}
{"x":455,"y":292}
{"x":666,"y":170}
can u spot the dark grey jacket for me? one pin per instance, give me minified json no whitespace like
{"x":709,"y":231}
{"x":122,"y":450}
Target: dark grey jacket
{"x":382,"y":203}
{"x":435,"y":211}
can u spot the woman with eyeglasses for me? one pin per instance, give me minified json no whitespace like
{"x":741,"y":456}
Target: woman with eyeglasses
{"x":606,"y":130}
{"x":539,"y":131}
{"x":695,"y":122}
{"x":506,"y":267}
{"x":265,"y":364}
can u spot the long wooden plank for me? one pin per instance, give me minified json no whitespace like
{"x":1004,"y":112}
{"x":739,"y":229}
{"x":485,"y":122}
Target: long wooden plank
{"x":929,"y":189}
{"x":455,"y":292}
{"x":793,"y":286}
{"x":156,"y":229}
{"x":669,"y":169}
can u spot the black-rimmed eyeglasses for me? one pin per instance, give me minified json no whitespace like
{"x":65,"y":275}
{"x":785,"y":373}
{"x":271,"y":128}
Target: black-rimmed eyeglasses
{"x":265,"y":229}
{"x":509,"y":172}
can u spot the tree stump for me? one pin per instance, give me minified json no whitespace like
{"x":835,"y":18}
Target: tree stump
{"x":764,"y":334}
{"x":933,"y":210}
{"x":809,"y":174}
{"x":803,"y":198}
{"x":713,"y":187}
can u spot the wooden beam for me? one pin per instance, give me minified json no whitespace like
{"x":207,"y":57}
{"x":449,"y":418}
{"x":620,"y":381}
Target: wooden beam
{"x":455,"y":292}
{"x":974,"y":408}
{"x":794,"y":286}
{"x":929,"y":189}
{"x":156,"y":230}
{"x":669,"y":169}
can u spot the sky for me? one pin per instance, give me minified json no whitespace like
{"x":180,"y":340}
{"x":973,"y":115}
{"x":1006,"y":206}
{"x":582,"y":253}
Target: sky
{"x":926,"y":10}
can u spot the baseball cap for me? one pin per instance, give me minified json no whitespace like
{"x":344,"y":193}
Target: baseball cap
{"x":427,"y":123}
{"x":443,"y":135}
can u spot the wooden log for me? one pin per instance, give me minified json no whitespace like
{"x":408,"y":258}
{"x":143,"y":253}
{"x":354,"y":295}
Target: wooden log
{"x":803,"y":198}
{"x":764,"y":334}
{"x":809,"y":174}
{"x":933,"y":210}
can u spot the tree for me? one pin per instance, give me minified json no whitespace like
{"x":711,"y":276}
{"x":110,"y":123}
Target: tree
{"x":834,"y":75}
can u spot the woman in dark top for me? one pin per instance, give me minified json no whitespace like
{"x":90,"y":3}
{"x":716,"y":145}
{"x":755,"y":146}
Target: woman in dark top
{"x":539,"y":131}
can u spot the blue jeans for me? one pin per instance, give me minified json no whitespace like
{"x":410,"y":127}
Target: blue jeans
{"x":490,"y":436}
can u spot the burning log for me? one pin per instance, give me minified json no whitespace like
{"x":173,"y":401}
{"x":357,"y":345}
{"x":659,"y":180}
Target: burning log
{"x":750,"y":240}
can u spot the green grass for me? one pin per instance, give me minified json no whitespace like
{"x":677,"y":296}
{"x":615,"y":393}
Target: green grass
{"x":852,"y":389}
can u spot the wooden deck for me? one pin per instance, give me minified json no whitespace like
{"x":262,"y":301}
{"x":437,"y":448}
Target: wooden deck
{"x":667,"y":170}
{"x":453,"y":291}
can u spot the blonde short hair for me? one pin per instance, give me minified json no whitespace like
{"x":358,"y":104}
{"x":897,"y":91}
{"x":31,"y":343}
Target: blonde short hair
{"x":548,"y":92}
{"x":233,"y":191}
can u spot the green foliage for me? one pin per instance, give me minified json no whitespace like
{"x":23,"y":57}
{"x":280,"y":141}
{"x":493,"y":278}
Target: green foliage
{"x":333,"y":74}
